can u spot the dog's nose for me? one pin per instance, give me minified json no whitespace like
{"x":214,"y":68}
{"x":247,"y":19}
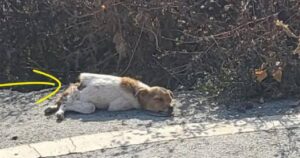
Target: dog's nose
{"x":170,"y":110}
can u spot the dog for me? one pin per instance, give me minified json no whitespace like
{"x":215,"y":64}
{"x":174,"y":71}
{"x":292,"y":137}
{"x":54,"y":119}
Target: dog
{"x":111,"y":93}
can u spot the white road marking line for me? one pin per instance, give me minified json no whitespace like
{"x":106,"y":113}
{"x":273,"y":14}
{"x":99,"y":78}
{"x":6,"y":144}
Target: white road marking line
{"x":85,"y":143}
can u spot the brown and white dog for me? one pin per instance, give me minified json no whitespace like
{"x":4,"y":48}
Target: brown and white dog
{"x":111,"y":93}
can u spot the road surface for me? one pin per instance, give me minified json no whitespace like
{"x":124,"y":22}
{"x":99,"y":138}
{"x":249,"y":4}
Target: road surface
{"x":22,"y":123}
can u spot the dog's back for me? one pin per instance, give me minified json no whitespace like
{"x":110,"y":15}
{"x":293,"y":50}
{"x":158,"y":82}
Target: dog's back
{"x":101,"y":90}
{"x":91,"y":79}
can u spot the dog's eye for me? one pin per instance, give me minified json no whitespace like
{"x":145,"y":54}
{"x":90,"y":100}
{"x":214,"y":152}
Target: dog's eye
{"x":159,"y":99}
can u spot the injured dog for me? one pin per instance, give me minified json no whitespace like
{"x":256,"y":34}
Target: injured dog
{"x":111,"y":93}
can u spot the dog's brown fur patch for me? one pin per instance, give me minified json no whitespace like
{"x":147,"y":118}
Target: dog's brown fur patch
{"x":129,"y":84}
{"x":155,"y":99}
{"x":73,"y":87}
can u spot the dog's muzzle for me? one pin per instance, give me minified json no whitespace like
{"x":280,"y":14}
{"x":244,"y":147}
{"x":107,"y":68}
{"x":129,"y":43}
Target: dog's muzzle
{"x":170,"y":111}
{"x":167,"y":113}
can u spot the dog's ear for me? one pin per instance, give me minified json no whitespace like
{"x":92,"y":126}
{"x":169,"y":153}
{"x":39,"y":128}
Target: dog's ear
{"x":142,"y":92}
{"x":171,"y":93}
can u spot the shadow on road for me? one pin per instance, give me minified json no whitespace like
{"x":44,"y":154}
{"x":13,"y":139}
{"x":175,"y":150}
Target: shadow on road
{"x":101,"y":115}
{"x":196,"y":107}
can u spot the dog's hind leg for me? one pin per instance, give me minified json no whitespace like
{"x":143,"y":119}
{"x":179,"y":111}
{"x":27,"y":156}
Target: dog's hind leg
{"x":52,"y":109}
{"x":62,"y":98}
{"x":77,"y":106}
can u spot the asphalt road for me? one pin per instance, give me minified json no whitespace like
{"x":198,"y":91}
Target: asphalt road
{"x":271,"y":144}
{"x":22,"y":122}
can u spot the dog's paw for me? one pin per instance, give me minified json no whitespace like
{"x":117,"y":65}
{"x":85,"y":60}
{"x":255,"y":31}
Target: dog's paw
{"x":50,"y":110}
{"x":59,"y":117}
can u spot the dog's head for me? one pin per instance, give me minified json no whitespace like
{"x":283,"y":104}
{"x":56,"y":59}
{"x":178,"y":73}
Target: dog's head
{"x":156,"y":99}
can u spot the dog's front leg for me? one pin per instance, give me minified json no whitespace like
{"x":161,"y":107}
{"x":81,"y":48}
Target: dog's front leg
{"x":60,"y":113}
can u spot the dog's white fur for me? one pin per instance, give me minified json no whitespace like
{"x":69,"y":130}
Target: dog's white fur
{"x":102,"y":92}
{"x":105,"y":92}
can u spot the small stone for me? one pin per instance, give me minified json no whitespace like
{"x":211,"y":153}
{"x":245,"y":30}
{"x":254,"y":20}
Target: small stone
{"x":148,"y":124}
{"x":14,"y":138}
{"x":261,"y":100}
{"x":227,"y":7}
{"x":240,"y":123}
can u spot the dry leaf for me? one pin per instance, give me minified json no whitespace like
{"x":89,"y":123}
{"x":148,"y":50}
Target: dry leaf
{"x":297,"y":50}
{"x":281,"y":24}
{"x":103,"y":7}
{"x":285,"y":28}
{"x":260,"y":74}
{"x":263,"y":66}
{"x":277,"y":74}
{"x":120,"y":45}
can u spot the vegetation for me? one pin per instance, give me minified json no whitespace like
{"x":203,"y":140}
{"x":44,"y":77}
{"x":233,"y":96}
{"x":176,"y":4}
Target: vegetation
{"x":236,"y":49}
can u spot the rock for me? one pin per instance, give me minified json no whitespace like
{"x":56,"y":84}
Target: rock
{"x":14,"y":138}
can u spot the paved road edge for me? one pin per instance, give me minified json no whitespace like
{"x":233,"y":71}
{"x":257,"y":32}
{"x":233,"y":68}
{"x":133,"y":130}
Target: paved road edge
{"x":85,"y":143}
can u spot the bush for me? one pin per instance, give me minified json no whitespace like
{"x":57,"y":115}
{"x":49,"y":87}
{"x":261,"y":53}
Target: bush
{"x":234,"y":48}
